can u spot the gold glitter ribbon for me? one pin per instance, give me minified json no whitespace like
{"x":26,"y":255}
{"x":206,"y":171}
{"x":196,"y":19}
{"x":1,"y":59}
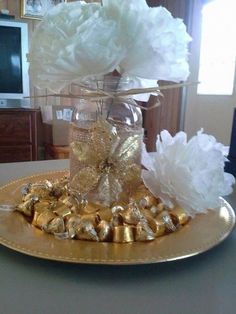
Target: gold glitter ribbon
{"x":107,"y":163}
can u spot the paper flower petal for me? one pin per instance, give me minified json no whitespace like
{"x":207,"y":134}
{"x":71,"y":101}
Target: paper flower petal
{"x":190,"y":174}
{"x":163,"y":41}
{"x":74,"y":41}
{"x":77,"y":41}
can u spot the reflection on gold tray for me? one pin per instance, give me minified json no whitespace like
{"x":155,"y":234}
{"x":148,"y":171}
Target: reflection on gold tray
{"x":202,"y":233}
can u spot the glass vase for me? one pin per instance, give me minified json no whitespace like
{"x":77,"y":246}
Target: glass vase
{"x":105,"y":145}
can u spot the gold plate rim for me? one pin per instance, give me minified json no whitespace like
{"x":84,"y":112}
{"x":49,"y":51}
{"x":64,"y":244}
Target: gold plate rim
{"x":17,"y":234}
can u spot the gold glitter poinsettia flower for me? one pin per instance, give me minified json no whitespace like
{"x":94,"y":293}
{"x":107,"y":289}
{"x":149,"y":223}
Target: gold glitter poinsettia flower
{"x":108,"y":163}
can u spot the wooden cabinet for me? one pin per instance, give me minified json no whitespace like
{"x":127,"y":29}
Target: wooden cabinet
{"x":56,"y":152}
{"x":19,"y":134}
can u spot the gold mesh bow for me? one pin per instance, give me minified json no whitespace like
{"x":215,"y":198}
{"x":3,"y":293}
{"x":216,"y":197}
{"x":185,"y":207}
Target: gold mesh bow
{"x":109,"y":162}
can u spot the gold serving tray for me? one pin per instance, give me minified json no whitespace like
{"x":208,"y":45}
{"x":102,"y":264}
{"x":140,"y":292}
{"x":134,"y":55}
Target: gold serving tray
{"x":199,"y":235}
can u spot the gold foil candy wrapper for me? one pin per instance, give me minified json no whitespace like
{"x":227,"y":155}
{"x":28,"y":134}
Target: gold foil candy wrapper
{"x":27,"y":206}
{"x":43,"y":219}
{"x":68,"y":201}
{"x":140,"y":192}
{"x":63,"y":199}
{"x":42,"y":206}
{"x":119,"y":203}
{"x":62,"y":210}
{"x":143,"y":203}
{"x":48,"y":185}
{"x":62,"y":183}
{"x":157,"y":225}
{"x":144,"y":232}
{"x":117,"y":220}
{"x":106,"y":214}
{"x":91,"y":208}
{"x":72,"y":223}
{"x":83,"y":227}
{"x":94,"y":219}
{"x":157,"y":209}
{"x":104,"y":231}
{"x":146,"y":213}
{"x":35,"y":218}
{"x":170,"y":226}
{"x":72,"y":220}
{"x":80,"y":200}
{"x":41,"y":191}
{"x":28,"y":197}
{"x":147,"y":201}
{"x":25,"y":189}
{"x":117,"y":209}
{"x":179,"y":216}
{"x":86,"y":231}
{"x":74,"y":201}
{"x":57,"y":192}
{"x":123,"y":234}
{"x":132,"y":215}
{"x":56,"y":225}
{"x":151,"y":200}
{"x":58,"y":188}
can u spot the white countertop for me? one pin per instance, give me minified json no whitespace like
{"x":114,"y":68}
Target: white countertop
{"x":203,"y":284}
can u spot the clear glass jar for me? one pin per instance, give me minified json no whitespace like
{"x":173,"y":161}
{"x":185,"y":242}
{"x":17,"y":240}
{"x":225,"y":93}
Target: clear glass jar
{"x":105,"y":145}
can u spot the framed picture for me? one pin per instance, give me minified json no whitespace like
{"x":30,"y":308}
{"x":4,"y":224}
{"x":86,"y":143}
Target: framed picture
{"x":36,"y":9}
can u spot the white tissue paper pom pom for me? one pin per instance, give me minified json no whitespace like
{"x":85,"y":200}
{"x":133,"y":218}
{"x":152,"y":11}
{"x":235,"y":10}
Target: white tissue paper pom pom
{"x":77,"y":41}
{"x":190,"y":174}
{"x":156,"y":42}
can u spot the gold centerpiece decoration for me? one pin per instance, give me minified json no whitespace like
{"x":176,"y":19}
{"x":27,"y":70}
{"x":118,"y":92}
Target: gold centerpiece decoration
{"x":108,"y":197}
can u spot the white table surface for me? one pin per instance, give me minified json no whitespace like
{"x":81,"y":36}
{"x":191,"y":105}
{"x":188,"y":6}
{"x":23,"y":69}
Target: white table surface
{"x":203,"y":284}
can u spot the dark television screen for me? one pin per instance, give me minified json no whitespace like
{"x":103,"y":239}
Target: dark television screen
{"x":10,"y":60}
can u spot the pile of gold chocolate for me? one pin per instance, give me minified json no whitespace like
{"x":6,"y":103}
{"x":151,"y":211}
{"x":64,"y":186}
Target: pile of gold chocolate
{"x":54,"y":208}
